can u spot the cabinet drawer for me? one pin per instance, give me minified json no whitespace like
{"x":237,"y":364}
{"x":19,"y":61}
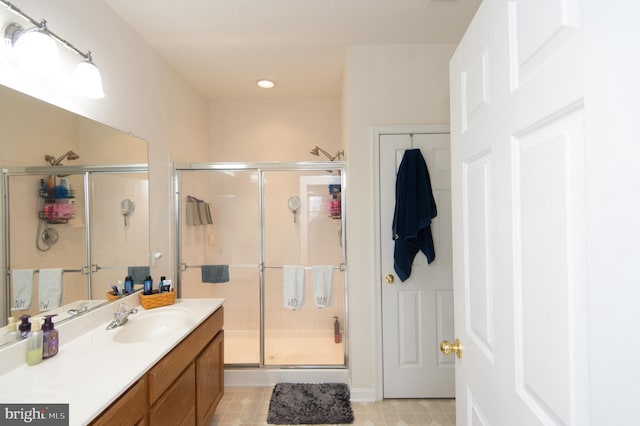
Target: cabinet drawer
{"x":176,"y":404}
{"x":129,"y":409}
{"x":166,"y":370}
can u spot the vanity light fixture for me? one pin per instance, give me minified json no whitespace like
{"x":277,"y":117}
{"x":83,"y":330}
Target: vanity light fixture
{"x":35,"y":50}
{"x":265,"y":84}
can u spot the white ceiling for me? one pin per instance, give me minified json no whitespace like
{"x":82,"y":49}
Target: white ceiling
{"x":224,"y":46}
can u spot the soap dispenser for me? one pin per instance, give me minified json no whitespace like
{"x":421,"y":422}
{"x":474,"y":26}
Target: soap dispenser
{"x":34,"y":344}
{"x":24,"y":327}
{"x":50,"y":337}
{"x":13,"y":335}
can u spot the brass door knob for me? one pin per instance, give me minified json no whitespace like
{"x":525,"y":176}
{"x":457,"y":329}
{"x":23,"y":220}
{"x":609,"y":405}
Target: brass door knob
{"x":448,"y":348}
{"x":389,"y":278}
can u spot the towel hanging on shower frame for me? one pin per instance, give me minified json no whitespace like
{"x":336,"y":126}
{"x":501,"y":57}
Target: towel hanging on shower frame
{"x":198,"y":212}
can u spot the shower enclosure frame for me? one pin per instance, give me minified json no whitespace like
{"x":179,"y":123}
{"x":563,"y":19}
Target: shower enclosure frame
{"x":260,"y":168}
{"x":85,"y":171}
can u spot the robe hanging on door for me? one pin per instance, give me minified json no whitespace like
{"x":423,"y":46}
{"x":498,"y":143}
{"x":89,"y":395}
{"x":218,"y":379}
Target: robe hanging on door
{"x":415,"y":208}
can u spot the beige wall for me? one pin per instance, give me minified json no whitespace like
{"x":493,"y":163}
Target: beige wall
{"x":243,"y":130}
{"x":384,"y":85}
{"x":144,"y":96}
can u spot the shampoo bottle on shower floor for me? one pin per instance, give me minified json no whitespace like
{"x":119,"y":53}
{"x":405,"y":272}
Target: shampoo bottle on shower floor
{"x":337,"y":337}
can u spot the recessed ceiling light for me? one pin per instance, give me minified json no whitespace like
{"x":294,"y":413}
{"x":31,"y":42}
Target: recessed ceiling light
{"x":266,"y":84}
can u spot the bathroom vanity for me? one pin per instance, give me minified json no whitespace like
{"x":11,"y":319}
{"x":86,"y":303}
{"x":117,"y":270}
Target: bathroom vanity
{"x":184,"y":387}
{"x":164,"y":366}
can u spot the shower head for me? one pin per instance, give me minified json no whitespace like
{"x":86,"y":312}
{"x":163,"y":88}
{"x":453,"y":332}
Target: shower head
{"x":316,"y":150}
{"x":69,"y":155}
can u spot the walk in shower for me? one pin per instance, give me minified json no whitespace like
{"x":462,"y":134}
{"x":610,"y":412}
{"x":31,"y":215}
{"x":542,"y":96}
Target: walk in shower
{"x":267,"y":221}
{"x":71,"y":218}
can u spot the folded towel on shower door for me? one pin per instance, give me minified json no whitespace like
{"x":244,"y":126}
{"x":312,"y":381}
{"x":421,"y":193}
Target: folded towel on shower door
{"x":50,"y":288}
{"x":293,"y":286}
{"x":22,"y":289}
{"x":138,"y":273}
{"x":322,"y":284}
{"x":215,"y":273}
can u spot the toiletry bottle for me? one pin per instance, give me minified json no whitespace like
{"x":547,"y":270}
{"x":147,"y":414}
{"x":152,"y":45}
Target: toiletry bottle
{"x":50,"y":338}
{"x":148,"y":285}
{"x":34,"y":344}
{"x":161,"y":284}
{"x":13,"y":335}
{"x":128,"y":284}
{"x":337,"y":337}
{"x":24,"y":327}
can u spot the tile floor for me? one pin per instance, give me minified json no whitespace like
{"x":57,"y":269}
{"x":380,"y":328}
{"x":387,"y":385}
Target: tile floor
{"x":248,"y":406}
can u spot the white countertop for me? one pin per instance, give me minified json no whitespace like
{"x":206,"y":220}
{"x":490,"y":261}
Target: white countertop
{"x":91,"y":371}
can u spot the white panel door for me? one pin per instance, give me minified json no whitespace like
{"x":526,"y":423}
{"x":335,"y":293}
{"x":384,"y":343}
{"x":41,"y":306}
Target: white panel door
{"x":518,"y":184}
{"x":417,"y":313}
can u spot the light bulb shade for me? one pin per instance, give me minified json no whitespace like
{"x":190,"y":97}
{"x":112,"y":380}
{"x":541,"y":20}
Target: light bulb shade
{"x":87,"y":80}
{"x":36,"y":52}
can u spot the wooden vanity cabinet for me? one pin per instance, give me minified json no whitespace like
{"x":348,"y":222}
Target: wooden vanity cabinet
{"x":209,"y":379}
{"x":184,"y":387}
{"x":129,"y":409}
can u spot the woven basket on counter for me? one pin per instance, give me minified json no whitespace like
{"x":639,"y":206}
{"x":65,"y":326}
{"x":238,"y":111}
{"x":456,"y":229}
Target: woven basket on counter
{"x":156,"y":300}
{"x":111,"y":296}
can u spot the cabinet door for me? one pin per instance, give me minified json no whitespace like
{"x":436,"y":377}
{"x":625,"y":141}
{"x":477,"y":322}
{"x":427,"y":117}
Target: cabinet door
{"x":210,"y":379}
{"x":129,"y":409}
{"x":177,"y":402}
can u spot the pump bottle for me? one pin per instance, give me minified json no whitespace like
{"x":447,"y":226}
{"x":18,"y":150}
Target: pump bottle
{"x":34,"y":345}
{"x":24,"y":327}
{"x":50,"y":337}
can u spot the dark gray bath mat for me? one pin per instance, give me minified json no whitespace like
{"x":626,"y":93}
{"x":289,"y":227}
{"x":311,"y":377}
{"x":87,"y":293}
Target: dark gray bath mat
{"x":310,"y":403}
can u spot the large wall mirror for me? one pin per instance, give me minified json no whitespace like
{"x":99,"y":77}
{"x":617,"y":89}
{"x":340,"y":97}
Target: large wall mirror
{"x":74,"y":206}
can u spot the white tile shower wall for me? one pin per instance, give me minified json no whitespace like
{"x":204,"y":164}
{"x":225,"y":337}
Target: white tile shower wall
{"x":114,"y":245}
{"x":236,"y":225}
{"x":67,"y":253}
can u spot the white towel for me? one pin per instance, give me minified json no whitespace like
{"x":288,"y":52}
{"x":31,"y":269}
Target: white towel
{"x":322,"y":284}
{"x":22,"y":281}
{"x":50,"y":288}
{"x":293,"y":286}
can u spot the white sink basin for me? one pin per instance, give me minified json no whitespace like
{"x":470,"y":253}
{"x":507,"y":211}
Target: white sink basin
{"x":151,"y":324}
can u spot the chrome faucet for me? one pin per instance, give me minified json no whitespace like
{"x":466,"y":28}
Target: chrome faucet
{"x":121,"y":316}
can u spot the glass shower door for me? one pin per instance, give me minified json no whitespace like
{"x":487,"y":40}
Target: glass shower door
{"x":46,"y":230}
{"x":119,"y":227}
{"x":221,"y":257}
{"x":303,"y":258}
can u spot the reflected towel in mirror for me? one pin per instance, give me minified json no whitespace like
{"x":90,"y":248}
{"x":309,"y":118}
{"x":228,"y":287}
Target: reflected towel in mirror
{"x":22,"y":286}
{"x":50,"y":288}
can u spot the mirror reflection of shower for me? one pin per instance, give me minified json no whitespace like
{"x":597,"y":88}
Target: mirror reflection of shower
{"x":316,"y":150}
{"x":53,"y":161}
{"x":46,"y":236}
